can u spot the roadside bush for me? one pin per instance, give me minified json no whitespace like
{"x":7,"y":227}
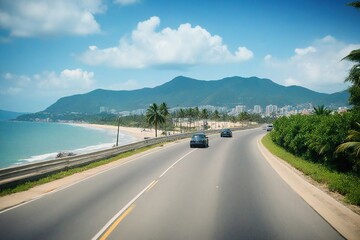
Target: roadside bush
{"x":346,"y":184}
{"x":315,"y":138}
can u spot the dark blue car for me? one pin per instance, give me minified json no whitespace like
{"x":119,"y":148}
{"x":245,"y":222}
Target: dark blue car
{"x":199,"y":140}
{"x":226,"y":133}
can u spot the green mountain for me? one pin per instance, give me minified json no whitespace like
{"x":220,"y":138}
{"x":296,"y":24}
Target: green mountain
{"x":187,"y":92}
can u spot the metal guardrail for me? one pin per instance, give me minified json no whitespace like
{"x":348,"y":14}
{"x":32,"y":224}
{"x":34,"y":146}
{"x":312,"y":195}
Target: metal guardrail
{"x":12,"y":176}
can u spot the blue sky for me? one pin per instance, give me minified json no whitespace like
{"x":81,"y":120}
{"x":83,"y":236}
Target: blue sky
{"x":51,"y":49}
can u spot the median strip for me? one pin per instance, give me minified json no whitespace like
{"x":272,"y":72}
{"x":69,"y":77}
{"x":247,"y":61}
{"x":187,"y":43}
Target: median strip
{"x":121,"y":212}
{"x":114,"y":225}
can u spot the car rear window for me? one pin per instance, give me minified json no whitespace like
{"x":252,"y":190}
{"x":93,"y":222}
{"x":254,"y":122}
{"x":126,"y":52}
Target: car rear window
{"x":198,"y":136}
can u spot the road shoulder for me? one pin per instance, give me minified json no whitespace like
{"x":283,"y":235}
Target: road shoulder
{"x":344,"y":220}
{"x":17,"y":199}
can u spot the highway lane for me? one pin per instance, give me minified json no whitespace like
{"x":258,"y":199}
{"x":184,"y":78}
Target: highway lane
{"x":227,"y":191}
{"x":81,"y":210}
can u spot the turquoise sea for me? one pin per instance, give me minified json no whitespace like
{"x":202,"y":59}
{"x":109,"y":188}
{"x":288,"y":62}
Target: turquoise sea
{"x":26,"y":142}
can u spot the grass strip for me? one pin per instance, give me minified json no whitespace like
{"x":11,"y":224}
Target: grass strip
{"x":27,"y":185}
{"x":343,"y":183}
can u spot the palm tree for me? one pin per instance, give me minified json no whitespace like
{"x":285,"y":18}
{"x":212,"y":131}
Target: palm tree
{"x":353,"y":144}
{"x":164,"y":110}
{"x":181,"y":115}
{"x":354,"y":74}
{"x":190,"y":113}
{"x":216,"y":116}
{"x":196,"y":115}
{"x":154,"y":116}
{"x":354,"y":78}
{"x":355,"y":4}
{"x":204,"y":115}
{"x":321,"y":110}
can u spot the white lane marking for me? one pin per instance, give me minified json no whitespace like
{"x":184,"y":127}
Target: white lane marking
{"x":117,"y":215}
{"x":132,"y":201}
{"x":76,"y":182}
{"x":175,"y":163}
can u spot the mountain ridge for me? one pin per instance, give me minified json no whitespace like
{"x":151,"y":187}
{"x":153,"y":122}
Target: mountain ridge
{"x":188,"y":92}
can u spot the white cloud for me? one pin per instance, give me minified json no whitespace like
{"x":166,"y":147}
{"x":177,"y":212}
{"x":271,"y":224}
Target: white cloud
{"x":268,"y":57}
{"x":33,"y":18}
{"x":317,"y":67}
{"x":34,"y":93}
{"x":67,"y":79}
{"x":148,"y":47}
{"x":304,"y":51}
{"x":291,"y":82}
{"x":244,"y":54}
{"x":45,"y":83}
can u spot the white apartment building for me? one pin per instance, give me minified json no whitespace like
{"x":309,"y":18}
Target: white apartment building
{"x":104,"y":109}
{"x":270,"y":109}
{"x":240,"y":109}
{"x":257,"y":109}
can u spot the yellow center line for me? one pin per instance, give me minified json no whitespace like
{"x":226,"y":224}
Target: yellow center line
{"x":152,"y":185}
{"x":114,"y":225}
{"x":126,"y":210}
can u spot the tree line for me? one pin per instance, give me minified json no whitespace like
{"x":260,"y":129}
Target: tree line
{"x":188,"y":119}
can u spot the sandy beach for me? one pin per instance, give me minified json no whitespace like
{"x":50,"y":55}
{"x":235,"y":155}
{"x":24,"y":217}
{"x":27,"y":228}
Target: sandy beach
{"x":143,"y":133}
{"x":138,"y":133}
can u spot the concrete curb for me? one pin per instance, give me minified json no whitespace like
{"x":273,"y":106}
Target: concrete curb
{"x":341,"y":218}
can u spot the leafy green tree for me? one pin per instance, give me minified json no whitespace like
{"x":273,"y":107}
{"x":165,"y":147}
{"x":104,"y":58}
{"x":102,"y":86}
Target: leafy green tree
{"x":154,"y":116}
{"x":243,"y":116}
{"x":315,"y":138}
{"x":321,"y":110}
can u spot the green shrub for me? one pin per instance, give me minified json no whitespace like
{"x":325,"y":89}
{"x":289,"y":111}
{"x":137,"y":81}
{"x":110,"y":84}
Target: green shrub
{"x":346,"y":184}
{"x":315,"y":138}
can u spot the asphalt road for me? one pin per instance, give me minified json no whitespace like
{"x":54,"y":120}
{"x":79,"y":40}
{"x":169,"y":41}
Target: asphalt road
{"x":226,"y":191}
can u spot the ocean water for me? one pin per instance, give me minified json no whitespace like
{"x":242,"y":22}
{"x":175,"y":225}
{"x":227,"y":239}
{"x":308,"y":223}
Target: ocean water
{"x":26,"y":142}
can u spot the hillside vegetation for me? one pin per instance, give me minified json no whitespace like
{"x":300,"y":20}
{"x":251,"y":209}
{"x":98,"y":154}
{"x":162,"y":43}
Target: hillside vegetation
{"x":188,"y":92}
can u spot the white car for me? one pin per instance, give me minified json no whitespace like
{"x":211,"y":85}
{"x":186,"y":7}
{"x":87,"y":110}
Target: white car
{"x":269,"y":127}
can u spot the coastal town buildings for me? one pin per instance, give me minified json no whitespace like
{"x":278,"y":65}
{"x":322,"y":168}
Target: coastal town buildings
{"x":270,"y":110}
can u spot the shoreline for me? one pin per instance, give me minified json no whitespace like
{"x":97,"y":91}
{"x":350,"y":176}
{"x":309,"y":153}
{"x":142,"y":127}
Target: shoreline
{"x":127,"y":135}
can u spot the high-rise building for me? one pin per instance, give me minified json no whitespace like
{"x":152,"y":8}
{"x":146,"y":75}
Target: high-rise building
{"x":104,"y":109}
{"x":257,"y":109}
{"x":270,"y":109}
{"x":240,"y":108}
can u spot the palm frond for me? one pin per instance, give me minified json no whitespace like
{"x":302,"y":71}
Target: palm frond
{"x":355,"y":4}
{"x":353,"y":56}
{"x":349,"y":145}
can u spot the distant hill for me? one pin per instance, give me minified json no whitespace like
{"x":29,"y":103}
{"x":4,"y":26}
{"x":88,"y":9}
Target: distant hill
{"x":188,"y":92}
{"x":8,"y":115}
